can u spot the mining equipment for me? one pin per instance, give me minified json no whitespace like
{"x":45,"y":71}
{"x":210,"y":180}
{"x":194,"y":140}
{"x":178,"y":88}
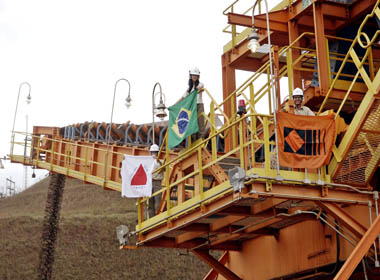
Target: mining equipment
{"x":226,"y":192}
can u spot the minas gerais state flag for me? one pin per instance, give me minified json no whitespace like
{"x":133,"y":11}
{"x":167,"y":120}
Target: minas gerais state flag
{"x":305,"y":141}
{"x":183,"y":119}
{"x":136,"y":175}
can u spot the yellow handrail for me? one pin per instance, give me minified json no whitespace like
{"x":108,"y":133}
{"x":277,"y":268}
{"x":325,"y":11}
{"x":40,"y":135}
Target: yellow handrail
{"x":351,"y":52}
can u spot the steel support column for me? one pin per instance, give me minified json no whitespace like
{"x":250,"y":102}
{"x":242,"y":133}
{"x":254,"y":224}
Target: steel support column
{"x":213,"y":263}
{"x":360,"y":250}
{"x":293,"y":35}
{"x":229,"y":85}
{"x":213,"y":273}
{"x":320,"y":40}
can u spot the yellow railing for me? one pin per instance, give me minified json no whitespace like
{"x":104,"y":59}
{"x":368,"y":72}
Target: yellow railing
{"x":74,"y":159}
{"x":250,"y":131}
{"x":246,"y":142}
{"x":245,"y":129}
{"x":357,"y":61}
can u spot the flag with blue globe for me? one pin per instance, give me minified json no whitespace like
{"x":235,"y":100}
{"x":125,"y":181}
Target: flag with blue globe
{"x":183,"y":119}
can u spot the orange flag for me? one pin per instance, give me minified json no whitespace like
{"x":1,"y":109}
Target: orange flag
{"x":305,"y":141}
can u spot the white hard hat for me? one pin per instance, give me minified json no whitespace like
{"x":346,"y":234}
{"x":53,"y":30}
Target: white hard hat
{"x":194,"y":71}
{"x":298,"y":92}
{"x":154,"y":148}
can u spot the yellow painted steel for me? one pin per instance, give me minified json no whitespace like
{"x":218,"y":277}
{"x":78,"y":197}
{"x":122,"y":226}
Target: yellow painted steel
{"x":252,"y":126}
{"x":369,"y":42}
{"x":346,"y":95}
{"x":241,"y":142}
{"x":247,"y":141}
{"x":254,"y":98}
{"x":213,"y":130}
{"x":200,"y":167}
{"x":239,"y":37}
{"x":289,"y":63}
{"x":196,"y":148}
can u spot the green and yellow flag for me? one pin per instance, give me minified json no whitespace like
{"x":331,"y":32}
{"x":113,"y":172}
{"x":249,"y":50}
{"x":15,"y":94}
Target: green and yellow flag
{"x":183,"y":119}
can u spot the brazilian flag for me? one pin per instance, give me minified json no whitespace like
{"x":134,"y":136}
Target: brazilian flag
{"x":183,"y":119}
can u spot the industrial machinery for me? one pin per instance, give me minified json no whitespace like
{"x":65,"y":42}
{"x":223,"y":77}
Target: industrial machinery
{"x":227,"y":192}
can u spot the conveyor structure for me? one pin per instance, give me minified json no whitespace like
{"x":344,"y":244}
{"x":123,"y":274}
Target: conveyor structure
{"x":279,"y":224}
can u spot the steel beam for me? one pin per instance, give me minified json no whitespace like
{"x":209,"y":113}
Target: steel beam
{"x":213,"y":263}
{"x":237,"y":210}
{"x":360,"y":250}
{"x":279,"y":191}
{"x":306,"y":193}
{"x":344,"y":218}
{"x":46,"y":130}
{"x":213,"y":273}
{"x":239,"y":57}
{"x":277,"y":21}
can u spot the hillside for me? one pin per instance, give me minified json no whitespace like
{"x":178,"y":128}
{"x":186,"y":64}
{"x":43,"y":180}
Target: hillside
{"x":87,"y":247}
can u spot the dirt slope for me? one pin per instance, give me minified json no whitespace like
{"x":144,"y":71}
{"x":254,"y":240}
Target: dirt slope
{"x":87,"y":246}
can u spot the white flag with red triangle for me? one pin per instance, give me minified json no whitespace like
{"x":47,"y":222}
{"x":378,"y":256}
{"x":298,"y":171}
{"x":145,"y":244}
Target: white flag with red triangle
{"x":136,"y":176}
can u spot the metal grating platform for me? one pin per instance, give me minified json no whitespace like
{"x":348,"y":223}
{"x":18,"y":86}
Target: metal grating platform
{"x":364,"y":155}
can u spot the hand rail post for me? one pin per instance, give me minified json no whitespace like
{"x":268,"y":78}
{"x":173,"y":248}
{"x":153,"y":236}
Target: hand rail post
{"x":252,"y":124}
{"x":167,"y":174}
{"x":212,"y":132}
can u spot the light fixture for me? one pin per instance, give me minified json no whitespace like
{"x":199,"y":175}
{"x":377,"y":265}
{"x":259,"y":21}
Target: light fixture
{"x":161,"y":114}
{"x":28,"y":99}
{"x":128,"y":102}
{"x":241,"y":107}
{"x":159,"y":109}
{"x":253,"y":38}
{"x":122,"y":233}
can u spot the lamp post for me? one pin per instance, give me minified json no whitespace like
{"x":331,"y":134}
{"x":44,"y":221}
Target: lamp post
{"x":253,"y":45}
{"x":127,"y":104}
{"x":160,"y":107}
{"x":28,"y":100}
{"x":109,"y":128}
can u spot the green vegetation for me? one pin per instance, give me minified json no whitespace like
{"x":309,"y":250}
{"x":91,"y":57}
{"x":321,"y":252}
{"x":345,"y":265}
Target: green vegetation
{"x":87,"y":247}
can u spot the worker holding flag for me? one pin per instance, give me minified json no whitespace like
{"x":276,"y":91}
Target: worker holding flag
{"x":304,"y":140}
{"x":185,"y":117}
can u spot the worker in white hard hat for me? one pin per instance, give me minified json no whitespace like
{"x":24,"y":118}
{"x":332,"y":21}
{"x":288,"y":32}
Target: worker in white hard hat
{"x":154,"y":201}
{"x":298,"y":108}
{"x":193,"y":84}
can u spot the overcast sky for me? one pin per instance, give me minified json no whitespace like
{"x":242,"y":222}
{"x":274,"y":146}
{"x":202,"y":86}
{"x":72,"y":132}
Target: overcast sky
{"x":73,"y":52}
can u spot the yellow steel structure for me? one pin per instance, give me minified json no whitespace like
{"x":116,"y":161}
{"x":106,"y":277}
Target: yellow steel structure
{"x":282,"y":224}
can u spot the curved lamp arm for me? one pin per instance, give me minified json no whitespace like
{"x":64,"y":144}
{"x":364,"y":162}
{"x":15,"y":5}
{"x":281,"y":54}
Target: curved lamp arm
{"x":28,"y":100}
{"x":109,"y":128}
{"x":128,"y":103}
{"x":154,"y":106}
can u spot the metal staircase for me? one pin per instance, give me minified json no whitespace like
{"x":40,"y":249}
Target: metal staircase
{"x":358,"y":155}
